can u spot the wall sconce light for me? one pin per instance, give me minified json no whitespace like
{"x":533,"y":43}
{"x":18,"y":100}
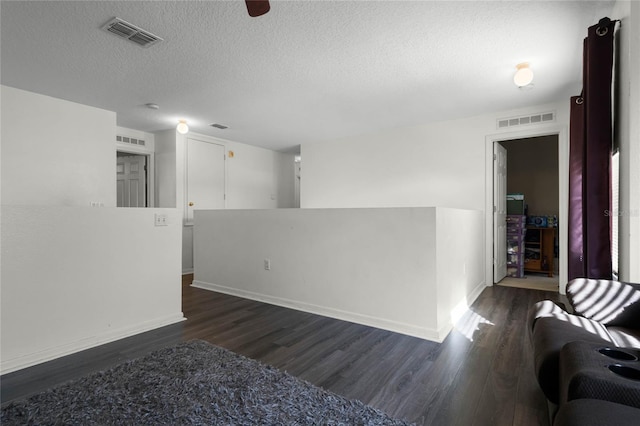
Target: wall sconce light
{"x":524,"y":75}
{"x":182,"y":127}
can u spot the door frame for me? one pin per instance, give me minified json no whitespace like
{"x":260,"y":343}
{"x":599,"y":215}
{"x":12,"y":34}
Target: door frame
{"x":151,"y":173}
{"x":563,"y":202}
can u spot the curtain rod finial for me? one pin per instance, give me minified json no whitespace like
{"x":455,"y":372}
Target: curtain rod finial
{"x":604,"y":21}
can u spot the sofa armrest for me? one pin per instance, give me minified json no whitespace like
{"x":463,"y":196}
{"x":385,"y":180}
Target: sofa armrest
{"x":636,"y":286}
{"x":542,"y":309}
{"x":606,"y":301}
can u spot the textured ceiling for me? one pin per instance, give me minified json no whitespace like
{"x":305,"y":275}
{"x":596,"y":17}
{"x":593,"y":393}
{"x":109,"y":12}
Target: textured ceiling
{"x":306,"y":71}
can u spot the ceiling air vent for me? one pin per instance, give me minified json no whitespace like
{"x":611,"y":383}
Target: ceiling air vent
{"x":544,"y":117}
{"x":131,"y":32}
{"x":219,"y":126}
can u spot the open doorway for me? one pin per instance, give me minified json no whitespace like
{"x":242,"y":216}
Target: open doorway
{"x":533,"y":184}
{"x":132,"y":180}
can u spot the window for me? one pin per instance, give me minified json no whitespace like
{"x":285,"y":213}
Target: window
{"x":615,"y":207}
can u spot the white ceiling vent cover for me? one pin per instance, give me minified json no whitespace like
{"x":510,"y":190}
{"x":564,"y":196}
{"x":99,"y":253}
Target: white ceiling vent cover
{"x":219,"y":126}
{"x":132,"y":141}
{"x":131,"y":32}
{"x":543,"y":117}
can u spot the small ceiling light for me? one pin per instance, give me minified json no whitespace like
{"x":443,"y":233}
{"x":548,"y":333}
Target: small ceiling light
{"x":182,"y":128}
{"x":152,"y":106}
{"x":524,"y":75}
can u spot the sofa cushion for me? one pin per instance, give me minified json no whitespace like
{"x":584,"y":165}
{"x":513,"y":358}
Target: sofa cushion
{"x":594,"y":412}
{"x":608,"y":302}
{"x":625,"y":337}
{"x":550,"y":334}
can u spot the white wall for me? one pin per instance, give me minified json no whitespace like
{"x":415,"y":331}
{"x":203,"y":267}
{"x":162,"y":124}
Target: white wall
{"x":77,"y":277}
{"x":74,"y":276}
{"x":406,"y":270}
{"x":169,"y":149}
{"x":438,"y":164}
{"x":256,"y":178}
{"x":628,"y":136}
{"x":459,"y":263}
{"x":56,"y":152}
{"x":444,"y":164}
{"x":285,"y":175}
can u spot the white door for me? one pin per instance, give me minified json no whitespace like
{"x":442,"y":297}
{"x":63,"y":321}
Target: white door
{"x":131,"y":181}
{"x":500,"y":212}
{"x":205,"y":177}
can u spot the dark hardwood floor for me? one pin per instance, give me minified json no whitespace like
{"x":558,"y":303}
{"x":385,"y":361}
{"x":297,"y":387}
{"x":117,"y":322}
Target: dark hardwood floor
{"x":482,"y":374}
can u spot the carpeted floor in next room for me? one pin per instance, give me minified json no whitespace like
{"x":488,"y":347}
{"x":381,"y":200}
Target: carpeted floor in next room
{"x":535,"y":280}
{"x":532,"y":282}
{"x":481,"y":374}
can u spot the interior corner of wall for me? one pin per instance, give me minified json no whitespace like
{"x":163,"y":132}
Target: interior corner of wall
{"x":444,"y":330}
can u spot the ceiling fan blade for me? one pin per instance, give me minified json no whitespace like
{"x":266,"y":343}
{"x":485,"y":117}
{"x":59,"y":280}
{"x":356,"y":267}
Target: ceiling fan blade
{"x":257,"y":7}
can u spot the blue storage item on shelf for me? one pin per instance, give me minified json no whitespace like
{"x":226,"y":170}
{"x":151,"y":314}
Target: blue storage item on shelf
{"x":538,"y":221}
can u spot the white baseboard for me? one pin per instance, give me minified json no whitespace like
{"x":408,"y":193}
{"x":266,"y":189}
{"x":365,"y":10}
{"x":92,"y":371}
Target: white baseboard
{"x":460,"y":309}
{"x":14,"y":364}
{"x":475,"y":293}
{"x":382,"y":323}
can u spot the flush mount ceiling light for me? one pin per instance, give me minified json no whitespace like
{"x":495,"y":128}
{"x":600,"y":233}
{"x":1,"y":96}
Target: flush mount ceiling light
{"x":524,"y":75}
{"x":182,"y":127}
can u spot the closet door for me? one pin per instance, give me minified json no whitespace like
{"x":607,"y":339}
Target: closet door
{"x":205,"y":177}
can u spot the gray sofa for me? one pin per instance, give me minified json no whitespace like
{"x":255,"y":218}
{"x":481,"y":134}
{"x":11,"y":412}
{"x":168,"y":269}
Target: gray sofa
{"x":602,"y":314}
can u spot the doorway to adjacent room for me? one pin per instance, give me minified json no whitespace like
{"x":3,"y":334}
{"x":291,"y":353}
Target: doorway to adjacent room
{"x":562,"y":169}
{"x":533,"y":188}
{"x":132,"y":180}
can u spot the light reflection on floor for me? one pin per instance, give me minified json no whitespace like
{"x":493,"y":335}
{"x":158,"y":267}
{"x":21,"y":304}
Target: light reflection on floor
{"x":469,"y":323}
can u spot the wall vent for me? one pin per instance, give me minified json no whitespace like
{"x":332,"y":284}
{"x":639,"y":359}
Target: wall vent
{"x":131,"y":141}
{"x":133,"y":33}
{"x":543,"y":117}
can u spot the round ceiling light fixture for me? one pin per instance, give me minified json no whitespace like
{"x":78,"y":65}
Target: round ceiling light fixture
{"x":182,"y":127}
{"x":524,"y":75}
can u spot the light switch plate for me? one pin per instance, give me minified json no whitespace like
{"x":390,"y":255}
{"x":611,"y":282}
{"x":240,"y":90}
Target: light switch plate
{"x":161,"y":219}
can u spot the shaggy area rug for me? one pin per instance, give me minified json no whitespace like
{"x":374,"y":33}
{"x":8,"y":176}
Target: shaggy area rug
{"x":192,"y":383}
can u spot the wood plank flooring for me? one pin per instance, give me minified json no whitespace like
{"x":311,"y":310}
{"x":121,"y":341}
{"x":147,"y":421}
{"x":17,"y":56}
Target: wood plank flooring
{"x":482,"y":374}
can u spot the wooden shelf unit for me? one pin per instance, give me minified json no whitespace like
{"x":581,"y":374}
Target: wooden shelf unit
{"x":541,"y":240}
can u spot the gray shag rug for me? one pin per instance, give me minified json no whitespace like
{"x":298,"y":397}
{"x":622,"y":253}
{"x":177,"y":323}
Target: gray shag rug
{"x":191,"y":383}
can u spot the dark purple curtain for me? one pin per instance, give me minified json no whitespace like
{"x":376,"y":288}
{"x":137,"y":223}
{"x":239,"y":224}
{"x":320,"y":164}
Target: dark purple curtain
{"x":590,"y":159}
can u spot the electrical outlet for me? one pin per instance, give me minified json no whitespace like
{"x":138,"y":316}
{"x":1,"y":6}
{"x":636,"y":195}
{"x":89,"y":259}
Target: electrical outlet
{"x":267,"y":264}
{"x":161,"y":219}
